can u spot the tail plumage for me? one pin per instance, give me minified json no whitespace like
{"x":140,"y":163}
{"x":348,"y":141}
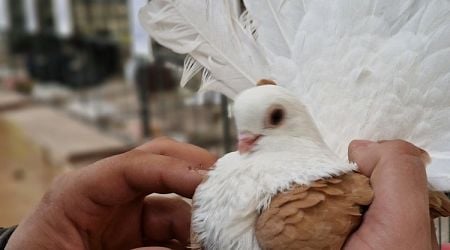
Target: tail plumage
{"x":217,"y":42}
{"x":366,"y":69}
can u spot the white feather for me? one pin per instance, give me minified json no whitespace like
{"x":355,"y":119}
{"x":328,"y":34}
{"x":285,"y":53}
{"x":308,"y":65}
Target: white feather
{"x":191,"y":68}
{"x":438,"y":173}
{"x":248,"y":23}
{"x":241,"y":185}
{"x":277,"y":21}
{"x":212,"y":34}
{"x":374,"y":70}
{"x":360,"y":69}
{"x":387,"y":63}
{"x":244,"y":185}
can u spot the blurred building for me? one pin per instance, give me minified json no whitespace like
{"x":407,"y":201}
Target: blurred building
{"x":80,"y":80}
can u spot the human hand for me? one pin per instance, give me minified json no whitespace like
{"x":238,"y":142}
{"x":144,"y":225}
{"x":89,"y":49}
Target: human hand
{"x":104,"y":206}
{"x":398,"y":217}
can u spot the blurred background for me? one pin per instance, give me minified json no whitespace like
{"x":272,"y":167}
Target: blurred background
{"x":79,"y":81}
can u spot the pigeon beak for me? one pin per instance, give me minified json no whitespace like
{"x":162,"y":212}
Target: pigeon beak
{"x":246,"y":142}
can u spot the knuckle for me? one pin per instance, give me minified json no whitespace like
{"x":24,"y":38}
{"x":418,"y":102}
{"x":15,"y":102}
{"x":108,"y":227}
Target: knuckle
{"x":162,"y":139}
{"x":355,"y":144}
{"x":136,"y":157}
{"x":403,"y":144}
{"x":159,"y":145}
{"x":120,"y":158}
{"x":58,"y":187}
{"x":402,"y":147}
{"x":111,"y":161}
{"x":169,"y":161}
{"x":397,"y":143}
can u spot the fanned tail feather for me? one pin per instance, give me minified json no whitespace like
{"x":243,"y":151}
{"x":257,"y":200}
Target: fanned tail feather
{"x":366,"y":69}
{"x":212,"y":34}
{"x":277,"y":22}
{"x":372,"y":69}
{"x":191,"y":68}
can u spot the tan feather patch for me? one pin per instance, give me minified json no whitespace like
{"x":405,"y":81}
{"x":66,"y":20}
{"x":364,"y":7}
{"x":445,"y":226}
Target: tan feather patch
{"x":323,"y":218}
{"x":320,"y":216}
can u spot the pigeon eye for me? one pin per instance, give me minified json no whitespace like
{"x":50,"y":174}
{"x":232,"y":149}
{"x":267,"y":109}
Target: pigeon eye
{"x":276,"y":117}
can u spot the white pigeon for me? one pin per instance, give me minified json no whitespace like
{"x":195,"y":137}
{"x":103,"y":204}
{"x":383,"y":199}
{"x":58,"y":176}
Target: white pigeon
{"x":346,"y":69}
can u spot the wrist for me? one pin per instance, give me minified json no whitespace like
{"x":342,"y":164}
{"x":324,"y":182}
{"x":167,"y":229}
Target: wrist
{"x":45,"y":228}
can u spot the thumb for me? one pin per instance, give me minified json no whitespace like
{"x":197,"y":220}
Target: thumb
{"x":365,"y":154}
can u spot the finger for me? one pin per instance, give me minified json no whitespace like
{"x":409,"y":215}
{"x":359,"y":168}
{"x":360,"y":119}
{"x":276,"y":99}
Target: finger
{"x":364,"y":154}
{"x":122,"y":178}
{"x":165,"y":219}
{"x":400,"y":147}
{"x":398,"y":178}
{"x":367,"y":153}
{"x":200,"y":157}
{"x":396,"y":160}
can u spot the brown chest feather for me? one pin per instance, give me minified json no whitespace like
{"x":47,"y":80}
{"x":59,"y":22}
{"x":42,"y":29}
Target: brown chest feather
{"x":320,"y":216}
{"x":439,"y":204}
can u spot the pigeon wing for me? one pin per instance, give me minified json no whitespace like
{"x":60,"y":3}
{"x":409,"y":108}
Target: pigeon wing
{"x":296,"y":219}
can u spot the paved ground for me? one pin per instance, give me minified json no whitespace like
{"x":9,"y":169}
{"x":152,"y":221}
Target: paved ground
{"x":24,"y":175}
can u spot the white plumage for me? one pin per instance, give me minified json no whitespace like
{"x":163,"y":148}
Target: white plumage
{"x":214,"y":38}
{"x":372,"y":69}
{"x":243,"y":184}
{"x":375,"y":70}
{"x":354,"y":69}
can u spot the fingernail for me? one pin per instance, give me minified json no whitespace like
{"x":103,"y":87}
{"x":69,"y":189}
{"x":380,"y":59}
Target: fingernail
{"x":425,"y":157}
{"x":361,"y":143}
{"x":201,"y":172}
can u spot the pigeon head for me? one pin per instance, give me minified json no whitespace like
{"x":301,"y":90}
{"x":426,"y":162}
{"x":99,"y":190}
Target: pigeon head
{"x":270,"y":110}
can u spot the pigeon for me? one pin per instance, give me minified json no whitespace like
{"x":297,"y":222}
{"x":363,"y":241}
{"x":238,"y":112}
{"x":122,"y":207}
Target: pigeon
{"x":282,"y":161}
{"x":307,"y":77}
